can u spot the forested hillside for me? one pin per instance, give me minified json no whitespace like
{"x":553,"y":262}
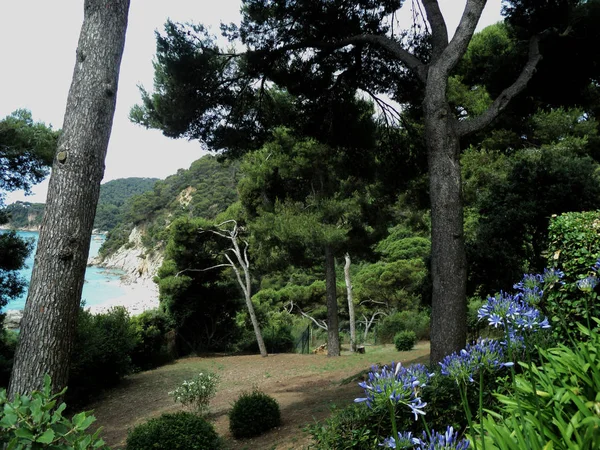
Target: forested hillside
{"x":204,"y":190}
{"x":113,"y":196}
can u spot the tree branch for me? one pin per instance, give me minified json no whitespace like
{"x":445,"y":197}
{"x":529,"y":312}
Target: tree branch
{"x":457,"y":47}
{"x":439,"y":31}
{"x":384,"y":42}
{"x":471,"y":125}
{"x":202,"y":270}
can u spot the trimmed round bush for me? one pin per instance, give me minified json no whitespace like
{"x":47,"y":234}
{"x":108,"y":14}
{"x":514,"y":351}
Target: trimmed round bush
{"x":405,"y":341}
{"x":182,"y":430}
{"x":253,"y":414}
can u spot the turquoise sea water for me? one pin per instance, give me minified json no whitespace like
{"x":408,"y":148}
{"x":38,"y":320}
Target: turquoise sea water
{"x":100,"y":284}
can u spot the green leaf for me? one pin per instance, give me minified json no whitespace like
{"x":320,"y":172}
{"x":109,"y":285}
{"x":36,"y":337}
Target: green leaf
{"x":47,"y":437}
{"x":24,"y":433}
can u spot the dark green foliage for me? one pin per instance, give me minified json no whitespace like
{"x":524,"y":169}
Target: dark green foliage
{"x":513,"y":198}
{"x":405,"y":341}
{"x":202,"y":303}
{"x":8,"y":345}
{"x":253,"y":413}
{"x":415,"y":321}
{"x":26,"y":151}
{"x":179,"y":431}
{"x":354,"y":427}
{"x":101,"y":353}
{"x":114,"y":195}
{"x":574,"y":248}
{"x":25,"y":214}
{"x":152,"y":348}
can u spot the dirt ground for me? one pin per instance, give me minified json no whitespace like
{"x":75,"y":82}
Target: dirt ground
{"x":306,"y":387}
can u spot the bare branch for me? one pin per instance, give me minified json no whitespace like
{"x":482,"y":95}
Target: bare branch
{"x":238,"y":276}
{"x":322,"y":324}
{"x":202,"y":270}
{"x":471,"y":125}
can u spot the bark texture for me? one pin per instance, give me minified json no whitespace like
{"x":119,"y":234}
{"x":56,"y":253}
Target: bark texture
{"x":54,"y":296}
{"x":333,"y":331}
{"x":351,"y":314}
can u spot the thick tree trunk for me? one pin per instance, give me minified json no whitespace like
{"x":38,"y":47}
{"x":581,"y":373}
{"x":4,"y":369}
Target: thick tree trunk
{"x":448,"y":261}
{"x":350,"y":303}
{"x":333,"y":331}
{"x":50,"y":314}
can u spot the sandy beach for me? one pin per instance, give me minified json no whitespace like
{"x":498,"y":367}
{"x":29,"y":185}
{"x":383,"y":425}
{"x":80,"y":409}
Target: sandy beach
{"x":139,"y":296}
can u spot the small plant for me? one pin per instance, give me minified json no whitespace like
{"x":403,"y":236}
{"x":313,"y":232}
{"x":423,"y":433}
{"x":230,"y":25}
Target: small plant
{"x":197,"y":393}
{"x":253,"y":414}
{"x":405,"y":341}
{"x":182,"y":430}
{"x":33,"y":422}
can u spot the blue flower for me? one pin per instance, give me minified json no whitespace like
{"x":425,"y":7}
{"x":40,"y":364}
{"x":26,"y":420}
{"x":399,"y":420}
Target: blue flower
{"x":587,"y":284}
{"x":485,"y":353}
{"x":442,"y":441}
{"x":404,"y":440}
{"x":396,"y":384}
{"x":513,"y":313}
{"x":552,"y":276}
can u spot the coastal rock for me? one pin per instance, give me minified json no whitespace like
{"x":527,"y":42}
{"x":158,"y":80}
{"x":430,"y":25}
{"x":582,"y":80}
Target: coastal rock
{"x":133,"y":258}
{"x":12,"y":321}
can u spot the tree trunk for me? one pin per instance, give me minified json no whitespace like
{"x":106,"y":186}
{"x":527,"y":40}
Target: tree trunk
{"x":350,"y":303}
{"x":333,"y":331}
{"x":50,"y":315}
{"x":448,"y":261}
{"x":249,"y":305}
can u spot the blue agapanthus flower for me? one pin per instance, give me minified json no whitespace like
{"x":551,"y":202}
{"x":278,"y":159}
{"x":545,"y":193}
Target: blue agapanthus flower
{"x":553,"y":275}
{"x":587,"y":284}
{"x":442,"y":441}
{"x":396,"y":384}
{"x":403,"y":440}
{"x":512,"y":312}
{"x":483,"y":354}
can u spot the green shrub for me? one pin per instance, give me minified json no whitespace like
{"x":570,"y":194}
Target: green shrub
{"x":152,"y":347}
{"x":405,"y":341}
{"x":197,"y":392}
{"x":555,"y":405}
{"x":8,"y":345}
{"x":352,"y":428}
{"x":253,"y":414}
{"x":574,"y":249}
{"x":179,"y":431}
{"x":416,"y":321}
{"x":33,"y":422}
{"x":100,"y":358}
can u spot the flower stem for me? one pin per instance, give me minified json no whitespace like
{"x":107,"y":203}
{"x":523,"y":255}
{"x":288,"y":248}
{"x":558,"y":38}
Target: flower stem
{"x":392,"y":410}
{"x":481,"y":408}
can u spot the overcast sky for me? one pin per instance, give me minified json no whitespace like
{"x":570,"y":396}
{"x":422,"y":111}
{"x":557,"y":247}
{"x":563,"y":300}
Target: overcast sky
{"x":37,"y":51}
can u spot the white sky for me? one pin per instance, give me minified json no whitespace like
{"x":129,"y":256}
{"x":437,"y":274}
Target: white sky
{"x":38,"y":39}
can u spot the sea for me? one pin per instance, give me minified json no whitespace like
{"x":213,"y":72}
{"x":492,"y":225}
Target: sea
{"x":100,"y":285}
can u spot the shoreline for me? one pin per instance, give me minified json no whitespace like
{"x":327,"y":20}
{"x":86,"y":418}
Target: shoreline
{"x":139,"y":296}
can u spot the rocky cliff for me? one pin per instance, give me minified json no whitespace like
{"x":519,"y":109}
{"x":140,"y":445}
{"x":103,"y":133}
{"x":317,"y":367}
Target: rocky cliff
{"x":133,"y":258}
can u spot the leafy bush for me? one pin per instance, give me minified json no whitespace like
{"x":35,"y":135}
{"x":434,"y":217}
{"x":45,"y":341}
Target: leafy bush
{"x":34,"y":421}
{"x":197,"y":392}
{"x":179,"y":431}
{"x":352,"y":428}
{"x":253,"y":414}
{"x":152,"y":348}
{"x":405,"y":341}
{"x":8,"y":345}
{"x":574,"y":249}
{"x":416,"y":321}
{"x":555,"y":405}
{"x":100,"y":358}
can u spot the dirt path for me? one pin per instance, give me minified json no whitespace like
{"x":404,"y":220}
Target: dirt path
{"x":306,"y":386}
